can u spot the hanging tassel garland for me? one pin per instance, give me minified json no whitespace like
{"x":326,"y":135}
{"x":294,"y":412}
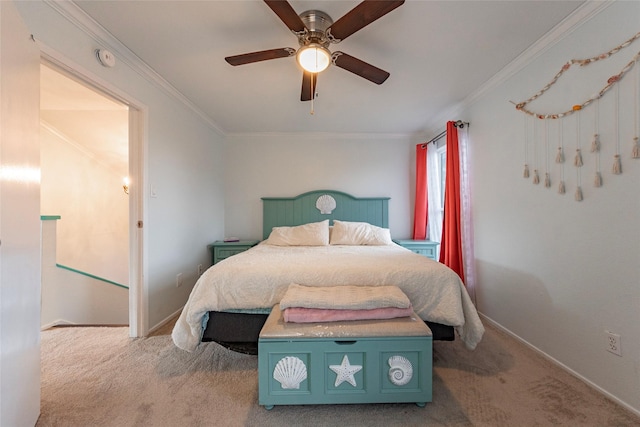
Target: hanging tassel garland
{"x":577,"y":162}
{"x":617,"y":165}
{"x":522,"y":106}
{"x":578,"y":194}
{"x":595,"y":144}
{"x":597,"y":182}
{"x":577,"y":111}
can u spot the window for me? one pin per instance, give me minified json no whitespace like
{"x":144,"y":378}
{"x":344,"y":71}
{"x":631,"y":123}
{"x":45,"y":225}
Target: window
{"x":436,"y":173}
{"x":442,"y":170}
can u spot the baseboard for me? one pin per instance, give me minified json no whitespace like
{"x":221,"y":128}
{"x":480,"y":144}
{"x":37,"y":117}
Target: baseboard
{"x":560,"y":364}
{"x":59,"y":322}
{"x":65,"y":323}
{"x":164,"y":321}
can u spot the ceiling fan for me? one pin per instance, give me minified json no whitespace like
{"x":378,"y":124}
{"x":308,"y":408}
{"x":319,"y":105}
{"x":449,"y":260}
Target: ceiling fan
{"x":315,"y":30}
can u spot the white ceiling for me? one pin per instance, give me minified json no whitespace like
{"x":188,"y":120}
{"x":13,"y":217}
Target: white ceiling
{"x":89,"y":121}
{"x":438,"y":53}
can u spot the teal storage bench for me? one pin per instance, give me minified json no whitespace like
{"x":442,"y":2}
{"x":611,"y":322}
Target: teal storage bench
{"x":362,"y":361}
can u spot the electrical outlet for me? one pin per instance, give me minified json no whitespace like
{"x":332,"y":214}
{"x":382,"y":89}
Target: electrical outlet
{"x":614,"y":343}
{"x":199,"y":270}
{"x":178,"y":280}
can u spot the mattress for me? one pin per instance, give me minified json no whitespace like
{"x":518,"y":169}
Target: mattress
{"x":259,"y":277}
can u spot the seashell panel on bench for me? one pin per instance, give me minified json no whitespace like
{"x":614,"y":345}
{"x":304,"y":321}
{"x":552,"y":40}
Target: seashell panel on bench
{"x":290,"y":371}
{"x":400,"y":370}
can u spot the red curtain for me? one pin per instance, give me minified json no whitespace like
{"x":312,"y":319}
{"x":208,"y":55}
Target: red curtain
{"x":451,"y":243}
{"x":421,"y":211}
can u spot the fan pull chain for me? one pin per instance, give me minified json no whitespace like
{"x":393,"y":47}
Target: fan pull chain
{"x":313,"y":94}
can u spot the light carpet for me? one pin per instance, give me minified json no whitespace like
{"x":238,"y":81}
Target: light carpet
{"x":93,"y":376}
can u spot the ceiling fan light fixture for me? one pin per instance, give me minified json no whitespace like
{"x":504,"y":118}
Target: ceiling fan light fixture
{"x":314,"y":57}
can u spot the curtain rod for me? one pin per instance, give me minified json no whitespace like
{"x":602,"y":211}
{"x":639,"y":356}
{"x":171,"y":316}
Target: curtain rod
{"x":459,"y":124}
{"x":435,"y":138}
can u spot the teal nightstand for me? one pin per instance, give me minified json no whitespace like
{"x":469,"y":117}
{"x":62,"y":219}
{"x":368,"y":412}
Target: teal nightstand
{"x":221,"y":250}
{"x":422,"y":247}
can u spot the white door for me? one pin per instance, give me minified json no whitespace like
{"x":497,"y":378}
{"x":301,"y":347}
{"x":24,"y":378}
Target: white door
{"x":19,"y":221}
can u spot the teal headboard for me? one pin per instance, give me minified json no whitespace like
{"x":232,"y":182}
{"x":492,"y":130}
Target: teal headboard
{"x":290,"y":211}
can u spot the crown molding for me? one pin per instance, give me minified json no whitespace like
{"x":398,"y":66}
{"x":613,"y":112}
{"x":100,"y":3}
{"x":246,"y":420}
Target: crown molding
{"x":74,"y":14}
{"x":576,"y":19}
{"x":321,"y":136}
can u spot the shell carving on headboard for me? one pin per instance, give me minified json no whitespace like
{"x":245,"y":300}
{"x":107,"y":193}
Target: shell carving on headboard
{"x":326,"y":204}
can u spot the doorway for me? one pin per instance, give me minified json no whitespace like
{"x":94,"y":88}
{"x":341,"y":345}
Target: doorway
{"x":88,"y":186}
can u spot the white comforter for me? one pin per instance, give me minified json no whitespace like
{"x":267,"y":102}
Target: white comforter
{"x":259,"y":277}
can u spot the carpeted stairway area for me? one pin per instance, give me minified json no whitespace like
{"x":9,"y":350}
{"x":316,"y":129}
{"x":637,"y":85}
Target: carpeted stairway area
{"x":97,"y":376}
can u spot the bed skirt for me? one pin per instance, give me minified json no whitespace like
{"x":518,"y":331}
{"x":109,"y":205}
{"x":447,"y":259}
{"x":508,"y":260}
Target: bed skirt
{"x":239,"y":331}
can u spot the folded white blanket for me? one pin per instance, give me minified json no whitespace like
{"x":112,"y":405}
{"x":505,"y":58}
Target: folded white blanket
{"x":345,"y":297}
{"x":320,"y":315}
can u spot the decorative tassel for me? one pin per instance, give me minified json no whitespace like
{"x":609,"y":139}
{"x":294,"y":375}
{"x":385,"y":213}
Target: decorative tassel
{"x":536,"y":178}
{"x":597,"y":182}
{"x":617,"y":165}
{"x":526,"y":171}
{"x":561,"y":189}
{"x":578,"y":194}
{"x":635,"y":154}
{"x":560,"y":156}
{"x":577,"y":162}
{"x":547,"y":180}
{"x":595,"y":144}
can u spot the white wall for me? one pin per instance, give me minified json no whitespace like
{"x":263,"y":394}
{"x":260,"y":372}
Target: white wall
{"x":93,"y":232}
{"x":552,"y":270}
{"x":287,"y":165}
{"x":72,"y":298}
{"x":184,"y":155}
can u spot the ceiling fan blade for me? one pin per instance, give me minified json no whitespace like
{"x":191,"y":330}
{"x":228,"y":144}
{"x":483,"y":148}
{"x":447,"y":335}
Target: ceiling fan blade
{"x":263,"y":55}
{"x":361,"y":16}
{"x":309,"y":82}
{"x":361,"y":68}
{"x":285,"y":12}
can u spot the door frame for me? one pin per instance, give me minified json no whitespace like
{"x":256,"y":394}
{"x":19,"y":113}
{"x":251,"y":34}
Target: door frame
{"x":138,"y":173}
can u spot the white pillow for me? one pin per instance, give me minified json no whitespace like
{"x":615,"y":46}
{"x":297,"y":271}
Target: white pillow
{"x":359,"y":233}
{"x":311,"y":234}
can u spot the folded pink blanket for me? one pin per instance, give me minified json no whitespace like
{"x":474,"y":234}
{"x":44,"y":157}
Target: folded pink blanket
{"x":312,"y":315}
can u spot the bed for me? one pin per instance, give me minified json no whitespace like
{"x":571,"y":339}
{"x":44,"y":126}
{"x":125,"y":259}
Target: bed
{"x":231,"y":300}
